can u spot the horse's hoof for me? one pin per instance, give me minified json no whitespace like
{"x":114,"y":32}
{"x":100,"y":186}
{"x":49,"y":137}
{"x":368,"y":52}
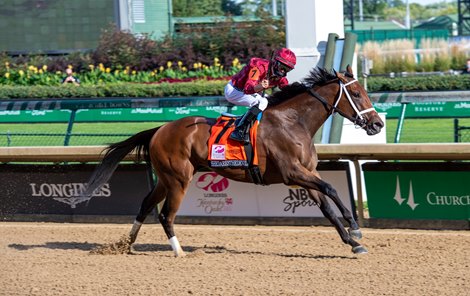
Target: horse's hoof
{"x":355,"y":233}
{"x":359,"y":250}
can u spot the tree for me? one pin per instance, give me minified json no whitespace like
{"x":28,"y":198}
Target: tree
{"x":374,"y":7}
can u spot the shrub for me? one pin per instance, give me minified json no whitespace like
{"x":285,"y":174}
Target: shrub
{"x":225,"y":40}
{"x":418,"y":83}
{"x":194,"y":88}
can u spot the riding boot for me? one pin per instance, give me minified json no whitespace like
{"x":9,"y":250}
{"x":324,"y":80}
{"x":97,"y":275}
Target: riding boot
{"x":240,"y":133}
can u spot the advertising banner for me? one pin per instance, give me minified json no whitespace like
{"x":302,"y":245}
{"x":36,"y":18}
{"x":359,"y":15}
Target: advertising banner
{"x":14,"y":116}
{"x":213,"y":195}
{"x":117,"y":114}
{"x":392,"y":109}
{"x":55,"y":189}
{"x":153,"y":114}
{"x":426,"y":109}
{"x":418,"y":190}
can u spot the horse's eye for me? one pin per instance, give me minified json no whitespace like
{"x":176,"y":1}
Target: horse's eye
{"x":356,"y":94}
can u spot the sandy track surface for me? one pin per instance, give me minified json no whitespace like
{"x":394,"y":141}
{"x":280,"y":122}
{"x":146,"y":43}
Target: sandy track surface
{"x":57,"y":259}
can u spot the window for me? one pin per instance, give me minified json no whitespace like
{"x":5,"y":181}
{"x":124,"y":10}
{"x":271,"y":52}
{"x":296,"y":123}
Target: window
{"x":138,"y":11}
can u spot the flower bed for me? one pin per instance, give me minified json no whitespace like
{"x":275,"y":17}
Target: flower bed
{"x":30,"y":75}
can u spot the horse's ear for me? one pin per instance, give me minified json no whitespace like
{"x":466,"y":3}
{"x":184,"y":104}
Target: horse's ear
{"x":349,"y":70}
{"x":340,"y":76}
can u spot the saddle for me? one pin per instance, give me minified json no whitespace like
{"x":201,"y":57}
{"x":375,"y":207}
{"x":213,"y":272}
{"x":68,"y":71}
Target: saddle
{"x":227,"y":153}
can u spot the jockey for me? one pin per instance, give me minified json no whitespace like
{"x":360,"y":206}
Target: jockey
{"x":246,"y":88}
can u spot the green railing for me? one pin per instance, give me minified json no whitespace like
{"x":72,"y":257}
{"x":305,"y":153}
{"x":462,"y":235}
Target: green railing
{"x":386,"y":35}
{"x":461,"y":133}
{"x":71,"y":111}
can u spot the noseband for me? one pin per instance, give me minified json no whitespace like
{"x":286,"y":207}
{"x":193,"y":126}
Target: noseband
{"x":358,"y":120}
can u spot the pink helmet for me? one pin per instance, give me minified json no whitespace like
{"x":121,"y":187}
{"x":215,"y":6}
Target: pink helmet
{"x":283,"y":61}
{"x":286,"y":56}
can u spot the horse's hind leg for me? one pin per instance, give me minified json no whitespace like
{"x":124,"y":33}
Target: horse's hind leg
{"x":167,"y":223}
{"x":328,"y":212}
{"x":167,"y":218}
{"x":148,"y":204}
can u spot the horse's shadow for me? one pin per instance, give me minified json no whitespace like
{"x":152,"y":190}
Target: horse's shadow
{"x":142,"y":248}
{"x":57,"y":246}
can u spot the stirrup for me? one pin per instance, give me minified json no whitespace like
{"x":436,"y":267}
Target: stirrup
{"x":239,"y":136}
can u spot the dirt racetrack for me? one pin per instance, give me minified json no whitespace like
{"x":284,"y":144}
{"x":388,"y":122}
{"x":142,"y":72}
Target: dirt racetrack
{"x":56,"y":259}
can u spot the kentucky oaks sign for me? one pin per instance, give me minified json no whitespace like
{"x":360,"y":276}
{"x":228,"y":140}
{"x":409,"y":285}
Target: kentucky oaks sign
{"x":213,"y":195}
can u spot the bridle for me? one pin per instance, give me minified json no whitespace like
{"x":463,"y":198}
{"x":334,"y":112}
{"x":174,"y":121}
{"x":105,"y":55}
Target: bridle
{"x":358,"y":119}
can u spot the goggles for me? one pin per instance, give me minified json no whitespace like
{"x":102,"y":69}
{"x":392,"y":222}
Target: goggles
{"x":283,"y":67}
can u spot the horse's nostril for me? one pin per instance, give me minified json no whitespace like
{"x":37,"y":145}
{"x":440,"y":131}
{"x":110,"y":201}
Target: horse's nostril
{"x":378,"y":124}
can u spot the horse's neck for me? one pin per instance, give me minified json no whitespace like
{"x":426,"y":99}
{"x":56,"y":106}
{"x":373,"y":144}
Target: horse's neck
{"x":310,"y":112}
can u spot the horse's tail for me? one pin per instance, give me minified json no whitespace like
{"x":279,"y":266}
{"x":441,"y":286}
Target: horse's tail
{"x":114,"y":154}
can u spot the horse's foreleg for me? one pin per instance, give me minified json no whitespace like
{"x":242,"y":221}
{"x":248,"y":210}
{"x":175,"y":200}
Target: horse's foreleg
{"x":354,"y":230}
{"x":312,"y":180}
{"x":148,"y":204}
{"x":328,"y":212}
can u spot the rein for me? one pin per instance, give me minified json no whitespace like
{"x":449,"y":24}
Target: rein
{"x":358,"y":120}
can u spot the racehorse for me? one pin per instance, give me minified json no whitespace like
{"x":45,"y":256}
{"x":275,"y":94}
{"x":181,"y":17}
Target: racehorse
{"x":286,"y":153}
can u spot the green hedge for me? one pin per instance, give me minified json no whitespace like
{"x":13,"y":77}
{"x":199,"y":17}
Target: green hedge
{"x":419,"y":83}
{"x":197,"y":88}
{"x":215,"y":88}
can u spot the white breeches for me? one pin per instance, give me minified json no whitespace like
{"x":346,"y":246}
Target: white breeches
{"x":239,"y":98}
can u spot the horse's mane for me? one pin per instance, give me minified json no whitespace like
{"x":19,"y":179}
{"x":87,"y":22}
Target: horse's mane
{"x":317,"y":76}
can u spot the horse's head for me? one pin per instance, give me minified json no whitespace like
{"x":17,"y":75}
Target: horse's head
{"x":338,"y":92}
{"x":354,"y":104}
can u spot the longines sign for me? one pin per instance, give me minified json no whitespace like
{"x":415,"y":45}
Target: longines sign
{"x":418,"y":190}
{"x":54,"y":189}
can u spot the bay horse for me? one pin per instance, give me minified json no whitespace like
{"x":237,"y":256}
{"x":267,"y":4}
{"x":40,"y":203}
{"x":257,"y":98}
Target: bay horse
{"x":286,"y":153}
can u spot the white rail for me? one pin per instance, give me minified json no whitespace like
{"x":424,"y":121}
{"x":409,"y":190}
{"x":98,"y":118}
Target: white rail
{"x":441,"y":151}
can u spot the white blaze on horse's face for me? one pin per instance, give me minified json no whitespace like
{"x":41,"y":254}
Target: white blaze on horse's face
{"x":342,"y":88}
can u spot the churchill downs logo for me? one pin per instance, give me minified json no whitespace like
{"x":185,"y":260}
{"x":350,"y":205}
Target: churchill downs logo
{"x":213,"y":200}
{"x":69,"y":193}
{"x":432,"y":198}
{"x":411,"y":197}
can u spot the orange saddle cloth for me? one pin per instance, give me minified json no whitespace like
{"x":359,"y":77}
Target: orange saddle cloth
{"x":227,"y":153}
